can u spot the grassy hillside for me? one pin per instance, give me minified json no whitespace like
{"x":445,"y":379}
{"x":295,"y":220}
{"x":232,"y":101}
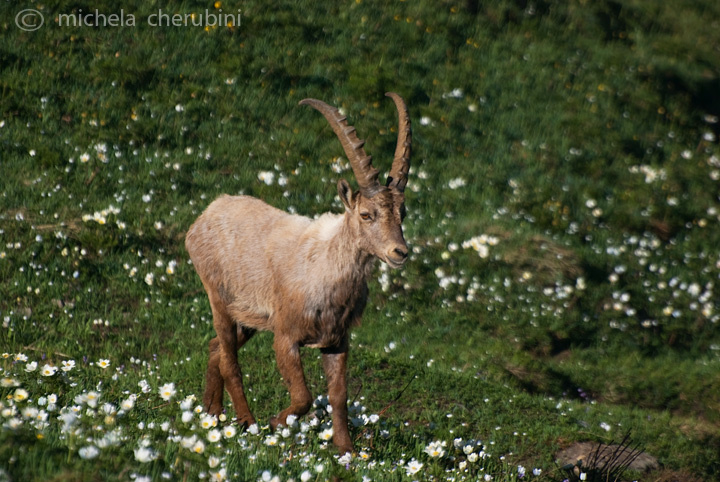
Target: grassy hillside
{"x":563,"y":216}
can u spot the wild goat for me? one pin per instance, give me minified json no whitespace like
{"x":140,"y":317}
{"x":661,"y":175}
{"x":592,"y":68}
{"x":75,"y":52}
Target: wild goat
{"x":305,"y":280}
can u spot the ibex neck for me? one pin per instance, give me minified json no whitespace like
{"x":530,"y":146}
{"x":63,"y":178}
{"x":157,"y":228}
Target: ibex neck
{"x":343,"y":252}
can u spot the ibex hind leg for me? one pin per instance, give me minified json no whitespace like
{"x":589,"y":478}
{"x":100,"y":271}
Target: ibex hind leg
{"x":214,"y":385}
{"x":223,"y":362}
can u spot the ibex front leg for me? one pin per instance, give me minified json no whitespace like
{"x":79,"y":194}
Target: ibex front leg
{"x":289,"y":364}
{"x":335,"y":366}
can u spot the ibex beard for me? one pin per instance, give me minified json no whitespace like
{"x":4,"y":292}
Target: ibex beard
{"x":305,"y":280}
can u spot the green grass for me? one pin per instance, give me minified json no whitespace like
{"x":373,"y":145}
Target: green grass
{"x":580,"y":137}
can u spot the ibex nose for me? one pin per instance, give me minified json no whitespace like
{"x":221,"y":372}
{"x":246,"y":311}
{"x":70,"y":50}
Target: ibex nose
{"x":397,"y":256}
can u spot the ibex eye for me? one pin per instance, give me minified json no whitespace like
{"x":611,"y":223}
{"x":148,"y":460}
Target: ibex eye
{"x":365,"y":216}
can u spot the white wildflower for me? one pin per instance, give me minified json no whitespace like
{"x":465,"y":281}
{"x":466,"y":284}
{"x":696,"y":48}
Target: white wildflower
{"x":268,"y":177}
{"x":167,"y":391}
{"x":89,"y":452}
{"x":208,"y":421}
{"x":456,"y":183}
{"x":326,"y":434}
{"x":271,"y":440}
{"x":413,"y":467}
{"x":128,"y":403}
{"x":436,"y":449}
{"x":199,"y":447}
{"x":214,"y":435}
{"x":229,"y":431}
{"x":145,"y":454}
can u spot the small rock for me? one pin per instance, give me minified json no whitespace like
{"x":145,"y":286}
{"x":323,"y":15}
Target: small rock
{"x":603,"y":456}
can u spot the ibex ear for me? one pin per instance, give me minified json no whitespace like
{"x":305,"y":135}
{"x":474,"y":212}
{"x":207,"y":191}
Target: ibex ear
{"x":346,"y":194}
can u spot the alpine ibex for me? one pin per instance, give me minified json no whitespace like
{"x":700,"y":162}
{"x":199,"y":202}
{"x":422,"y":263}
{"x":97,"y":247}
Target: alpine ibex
{"x":305,"y":280}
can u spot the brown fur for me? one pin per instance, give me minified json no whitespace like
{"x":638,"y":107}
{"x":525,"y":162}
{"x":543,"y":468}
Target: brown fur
{"x":304,"y":280}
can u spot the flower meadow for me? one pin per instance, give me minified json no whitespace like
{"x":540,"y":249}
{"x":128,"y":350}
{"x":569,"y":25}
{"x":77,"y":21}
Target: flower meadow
{"x":563,"y":219}
{"x":155,"y":432}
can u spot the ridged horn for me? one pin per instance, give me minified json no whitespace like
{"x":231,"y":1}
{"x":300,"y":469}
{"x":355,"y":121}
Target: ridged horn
{"x":361,"y":163}
{"x":398,"y":176}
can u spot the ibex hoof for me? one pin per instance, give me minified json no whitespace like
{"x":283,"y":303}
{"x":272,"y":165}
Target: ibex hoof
{"x":347,"y":449}
{"x":246,"y":421}
{"x":274,"y":422}
{"x":213,"y":408}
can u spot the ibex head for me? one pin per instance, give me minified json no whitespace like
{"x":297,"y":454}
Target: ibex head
{"x":376,"y":210}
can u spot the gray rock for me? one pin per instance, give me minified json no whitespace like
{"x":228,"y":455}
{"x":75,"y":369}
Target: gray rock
{"x":593,"y":455}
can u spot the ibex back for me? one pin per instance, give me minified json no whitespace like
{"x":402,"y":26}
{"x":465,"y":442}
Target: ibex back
{"x":305,"y":280}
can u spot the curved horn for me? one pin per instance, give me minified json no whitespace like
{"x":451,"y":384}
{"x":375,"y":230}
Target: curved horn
{"x":361,"y":163}
{"x":398,"y":176}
